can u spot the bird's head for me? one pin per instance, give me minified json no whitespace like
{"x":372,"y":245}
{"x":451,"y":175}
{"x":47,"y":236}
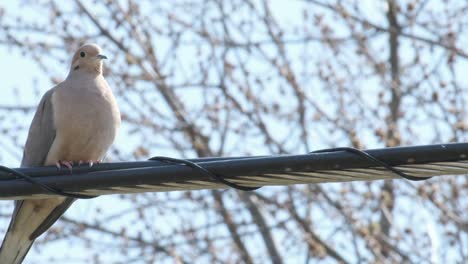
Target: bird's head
{"x":88,"y":58}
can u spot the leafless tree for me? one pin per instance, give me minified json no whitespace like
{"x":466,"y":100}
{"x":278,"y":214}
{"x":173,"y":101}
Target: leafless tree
{"x":248,"y":77}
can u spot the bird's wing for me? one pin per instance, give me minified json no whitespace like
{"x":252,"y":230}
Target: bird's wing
{"x":41,"y":133}
{"x":32,"y":217}
{"x":40,"y":138}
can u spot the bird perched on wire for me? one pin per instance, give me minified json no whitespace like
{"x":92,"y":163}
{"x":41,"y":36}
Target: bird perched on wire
{"x":76,"y":121}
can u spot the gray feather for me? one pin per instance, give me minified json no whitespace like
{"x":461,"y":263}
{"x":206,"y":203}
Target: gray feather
{"x":52,"y":218}
{"x":40,"y":138}
{"x":41,"y":133}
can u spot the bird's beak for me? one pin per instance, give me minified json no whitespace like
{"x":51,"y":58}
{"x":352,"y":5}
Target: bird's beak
{"x":101,"y":57}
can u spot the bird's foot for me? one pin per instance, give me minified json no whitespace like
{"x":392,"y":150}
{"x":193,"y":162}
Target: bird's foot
{"x":66,"y":163}
{"x":69,"y":164}
{"x":90,"y":162}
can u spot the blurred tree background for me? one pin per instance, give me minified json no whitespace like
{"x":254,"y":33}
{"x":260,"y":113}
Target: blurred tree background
{"x":197,"y":78}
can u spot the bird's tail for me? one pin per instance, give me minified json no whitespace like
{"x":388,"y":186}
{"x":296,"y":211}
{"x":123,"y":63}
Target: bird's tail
{"x":14,"y":248}
{"x":30,"y":219}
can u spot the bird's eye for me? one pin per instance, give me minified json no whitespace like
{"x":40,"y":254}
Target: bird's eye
{"x":82,"y":54}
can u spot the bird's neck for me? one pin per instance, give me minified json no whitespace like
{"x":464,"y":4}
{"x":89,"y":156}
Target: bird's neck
{"x":93,"y":69}
{"x":84,"y":74}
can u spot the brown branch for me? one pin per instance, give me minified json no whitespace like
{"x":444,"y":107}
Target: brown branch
{"x":392,"y":138}
{"x":263,"y":228}
{"x":313,"y":240}
{"x":232,"y":227}
{"x":116,"y":234}
{"x":364,"y":22}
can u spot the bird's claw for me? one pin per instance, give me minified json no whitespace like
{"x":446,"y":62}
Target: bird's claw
{"x":92,"y":162}
{"x":66,"y":163}
{"x":69,"y":164}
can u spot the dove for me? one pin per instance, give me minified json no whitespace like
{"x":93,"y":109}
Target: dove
{"x":76,"y":121}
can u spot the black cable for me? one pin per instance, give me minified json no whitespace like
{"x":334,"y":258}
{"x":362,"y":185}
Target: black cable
{"x":45,"y":186}
{"x":212,"y":175}
{"x":374,"y":160}
{"x":205,"y":172}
